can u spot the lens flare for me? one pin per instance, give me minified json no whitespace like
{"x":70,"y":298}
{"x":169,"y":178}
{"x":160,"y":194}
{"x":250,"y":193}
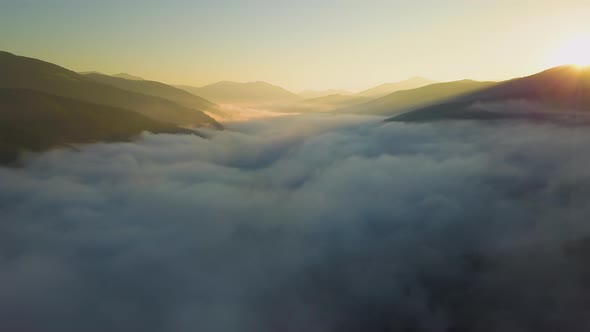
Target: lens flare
{"x":575,"y":51}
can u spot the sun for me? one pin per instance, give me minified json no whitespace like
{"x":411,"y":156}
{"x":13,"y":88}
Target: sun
{"x":575,"y":51}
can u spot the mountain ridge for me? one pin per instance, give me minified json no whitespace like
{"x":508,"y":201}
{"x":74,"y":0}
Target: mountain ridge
{"x":407,"y":100}
{"x":37,"y":121}
{"x":388,"y":88}
{"x":558,"y":90}
{"x":128,"y":77}
{"x":158,"y":89}
{"x":33,"y":74}
{"x":312,"y":94}
{"x":257,"y":92}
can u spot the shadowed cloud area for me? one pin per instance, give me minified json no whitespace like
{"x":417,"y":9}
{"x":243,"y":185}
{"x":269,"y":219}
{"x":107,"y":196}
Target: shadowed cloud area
{"x":303,"y":223}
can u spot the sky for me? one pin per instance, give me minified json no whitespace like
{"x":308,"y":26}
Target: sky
{"x":305,"y":44}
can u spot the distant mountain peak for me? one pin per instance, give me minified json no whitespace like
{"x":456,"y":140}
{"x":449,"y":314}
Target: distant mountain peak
{"x":418,"y":78}
{"x":569,"y":70}
{"x":311,"y":94}
{"x":225,"y":83}
{"x":129,"y":77}
{"x":249,"y":92}
{"x":545,"y":95}
{"x":20,"y":72}
{"x":91,"y":72}
{"x":388,"y":88}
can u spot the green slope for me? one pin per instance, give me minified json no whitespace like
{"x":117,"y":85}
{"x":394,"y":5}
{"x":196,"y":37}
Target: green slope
{"x":27,"y":73}
{"x":407,"y":100}
{"x":36,"y":121}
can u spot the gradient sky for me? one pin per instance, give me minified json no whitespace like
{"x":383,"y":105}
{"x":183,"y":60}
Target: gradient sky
{"x":299,"y":44}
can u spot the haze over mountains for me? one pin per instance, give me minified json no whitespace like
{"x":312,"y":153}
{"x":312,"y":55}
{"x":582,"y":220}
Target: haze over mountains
{"x":98,"y":226}
{"x":311,"y":94}
{"x":406,"y":100}
{"x":294,"y":166}
{"x":262,"y":92}
{"x":388,"y":88}
{"x":158,"y":107}
{"x":157,"y":89}
{"x":27,"y":73}
{"x":37,"y":121}
{"x":227,"y":92}
{"x":554,"y":92}
{"x":328,"y":103}
{"x":128,"y":77}
{"x":51,"y":106}
{"x":335,"y":99}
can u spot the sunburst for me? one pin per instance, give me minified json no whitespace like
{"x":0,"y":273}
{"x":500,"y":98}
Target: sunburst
{"x":575,"y":51}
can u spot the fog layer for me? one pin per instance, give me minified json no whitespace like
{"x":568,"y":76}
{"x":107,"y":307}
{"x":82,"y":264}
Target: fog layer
{"x":301,"y":223}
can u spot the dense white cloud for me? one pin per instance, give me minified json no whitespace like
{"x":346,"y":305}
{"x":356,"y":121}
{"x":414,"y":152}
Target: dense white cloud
{"x":302,"y":223}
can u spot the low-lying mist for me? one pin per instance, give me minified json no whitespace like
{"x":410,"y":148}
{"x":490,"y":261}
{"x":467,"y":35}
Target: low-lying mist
{"x":303,"y":223}
{"x":244,"y":112}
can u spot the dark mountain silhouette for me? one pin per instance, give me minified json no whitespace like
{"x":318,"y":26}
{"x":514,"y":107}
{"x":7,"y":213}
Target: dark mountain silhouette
{"x":388,"y":88}
{"x":244,"y":93}
{"x":564,"y":89}
{"x":36,"y":121}
{"x":127,"y":76}
{"x":158,"y":89}
{"x":27,"y":73}
{"x":407,"y":100}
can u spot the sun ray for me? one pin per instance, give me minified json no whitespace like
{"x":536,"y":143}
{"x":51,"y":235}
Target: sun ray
{"x":575,"y":51}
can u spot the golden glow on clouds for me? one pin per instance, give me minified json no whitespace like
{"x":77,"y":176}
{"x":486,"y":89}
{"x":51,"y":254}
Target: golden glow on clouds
{"x":574,"y":51}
